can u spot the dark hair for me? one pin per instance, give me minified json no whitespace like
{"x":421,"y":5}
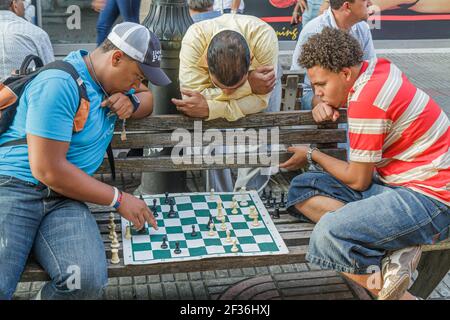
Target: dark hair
{"x":228,"y":57}
{"x":332,"y":49}
{"x":107,"y":46}
{"x":200,"y":5}
{"x":5,"y":4}
{"x":336,"y":4}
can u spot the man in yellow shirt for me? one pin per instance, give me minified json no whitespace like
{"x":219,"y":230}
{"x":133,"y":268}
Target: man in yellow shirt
{"x":228,"y":69}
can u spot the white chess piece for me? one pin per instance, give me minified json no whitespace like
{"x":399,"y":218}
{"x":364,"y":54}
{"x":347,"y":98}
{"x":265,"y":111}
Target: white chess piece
{"x":223,"y":226}
{"x":234,"y":248}
{"x":112,"y":231}
{"x":244,"y":202}
{"x":115,"y":256}
{"x":128,"y":233}
{"x":211,"y":194}
{"x":255,"y":222}
{"x":234,"y":209}
{"x":219,"y":213}
{"x":253,"y":212}
{"x":115,"y":243}
{"x":228,"y":239}
{"x":211,"y":230}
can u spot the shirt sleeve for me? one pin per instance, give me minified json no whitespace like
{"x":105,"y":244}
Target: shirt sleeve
{"x":45,"y":49}
{"x":367,"y":128}
{"x":52,"y":99}
{"x":368,"y":47}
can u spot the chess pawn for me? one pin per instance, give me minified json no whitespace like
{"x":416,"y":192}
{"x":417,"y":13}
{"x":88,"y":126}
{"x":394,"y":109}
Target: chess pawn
{"x":211,"y":230}
{"x":253,"y":212}
{"x":211,"y":194}
{"x":234,"y":248}
{"x":219,"y":213}
{"x":244,"y":202}
{"x":128,"y":233}
{"x":223,"y":226}
{"x":115,"y":256}
{"x":234,"y":210}
{"x":228,"y":239}
{"x":255,"y":222}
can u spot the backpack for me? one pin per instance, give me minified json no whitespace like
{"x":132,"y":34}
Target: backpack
{"x":13,"y":87}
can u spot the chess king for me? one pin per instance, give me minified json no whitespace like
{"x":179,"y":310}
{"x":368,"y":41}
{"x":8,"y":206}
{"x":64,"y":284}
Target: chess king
{"x":45,"y":181}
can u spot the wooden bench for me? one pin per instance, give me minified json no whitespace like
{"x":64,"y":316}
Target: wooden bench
{"x":156,"y":132}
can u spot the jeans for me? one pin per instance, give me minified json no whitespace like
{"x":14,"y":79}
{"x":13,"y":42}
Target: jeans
{"x":356,"y":237}
{"x":62,"y":235}
{"x":128,"y":9}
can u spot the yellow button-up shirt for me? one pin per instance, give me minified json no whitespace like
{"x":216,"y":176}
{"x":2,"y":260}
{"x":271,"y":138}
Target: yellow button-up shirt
{"x":194,"y":75}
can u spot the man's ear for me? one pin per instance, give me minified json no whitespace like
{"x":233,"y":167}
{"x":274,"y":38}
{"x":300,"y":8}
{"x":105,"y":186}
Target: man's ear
{"x":116,"y":57}
{"x":347,"y":73}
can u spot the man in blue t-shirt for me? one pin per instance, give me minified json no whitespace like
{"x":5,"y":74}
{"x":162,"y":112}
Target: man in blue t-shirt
{"x":44,"y":184}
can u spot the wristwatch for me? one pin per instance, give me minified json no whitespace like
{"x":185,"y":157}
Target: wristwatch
{"x":311,"y":149}
{"x":135,"y":101}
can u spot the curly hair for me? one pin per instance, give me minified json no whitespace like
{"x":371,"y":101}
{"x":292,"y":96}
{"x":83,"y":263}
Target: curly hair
{"x":332,"y":49}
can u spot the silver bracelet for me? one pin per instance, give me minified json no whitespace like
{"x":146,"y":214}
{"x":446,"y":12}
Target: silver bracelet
{"x":311,"y":149}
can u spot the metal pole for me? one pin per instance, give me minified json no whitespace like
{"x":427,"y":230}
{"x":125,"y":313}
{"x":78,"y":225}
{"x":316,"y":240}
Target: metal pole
{"x":169,"y":20}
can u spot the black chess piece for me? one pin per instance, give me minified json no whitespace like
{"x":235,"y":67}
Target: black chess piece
{"x":210,"y":221}
{"x":154,"y":209}
{"x":283,"y":203}
{"x":141,"y":197}
{"x":164,"y":244}
{"x":166,"y":201}
{"x":194,"y":233}
{"x":270,"y":194}
{"x":264,"y":195}
{"x":143,"y":230}
{"x":274,"y":202}
{"x":172,"y":212}
{"x":276,"y":213}
{"x":177,"y":248}
{"x":269,"y":203}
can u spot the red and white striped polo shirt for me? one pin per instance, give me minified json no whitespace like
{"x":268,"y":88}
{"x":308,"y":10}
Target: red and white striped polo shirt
{"x":401,"y":129}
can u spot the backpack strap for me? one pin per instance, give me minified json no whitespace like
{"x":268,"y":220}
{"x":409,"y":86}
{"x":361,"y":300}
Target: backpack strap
{"x":56,"y":65}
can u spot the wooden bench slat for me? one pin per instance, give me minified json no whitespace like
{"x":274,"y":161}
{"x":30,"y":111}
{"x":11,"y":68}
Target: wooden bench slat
{"x":258,"y":120}
{"x":165,"y":163}
{"x":298,"y":136}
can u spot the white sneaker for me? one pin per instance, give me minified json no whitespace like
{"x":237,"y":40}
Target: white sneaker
{"x":397,"y":269}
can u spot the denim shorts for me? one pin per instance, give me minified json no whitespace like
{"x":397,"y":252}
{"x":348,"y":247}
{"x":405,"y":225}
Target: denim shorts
{"x":356,"y":237}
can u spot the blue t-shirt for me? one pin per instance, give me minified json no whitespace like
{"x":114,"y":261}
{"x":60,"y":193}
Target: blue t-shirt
{"x":47,"y":109}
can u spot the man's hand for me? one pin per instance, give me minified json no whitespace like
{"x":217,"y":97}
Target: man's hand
{"x":136,"y":211}
{"x":324,"y":7}
{"x":119,"y":104}
{"x":323,"y":112}
{"x":193,"y":104}
{"x":262,"y":79}
{"x":298,"y":159}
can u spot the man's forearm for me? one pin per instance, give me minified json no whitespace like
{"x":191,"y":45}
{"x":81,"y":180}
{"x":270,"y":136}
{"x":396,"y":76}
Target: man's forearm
{"x":146,"y":106}
{"x":235,"y":5}
{"x":70,"y":181}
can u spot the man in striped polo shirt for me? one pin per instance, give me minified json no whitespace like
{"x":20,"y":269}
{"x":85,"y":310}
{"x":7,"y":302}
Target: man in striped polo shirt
{"x":374,"y":211}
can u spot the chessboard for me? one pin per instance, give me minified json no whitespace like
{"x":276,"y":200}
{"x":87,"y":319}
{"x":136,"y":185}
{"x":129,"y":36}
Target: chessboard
{"x":241,"y":227}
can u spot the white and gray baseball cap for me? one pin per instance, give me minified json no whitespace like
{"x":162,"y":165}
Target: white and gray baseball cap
{"x":142,"y":45}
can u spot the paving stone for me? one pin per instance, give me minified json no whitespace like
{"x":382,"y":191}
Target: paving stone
{"x":208,"y":275}
{"x":224,"y":281}
{"x":236,"y":273}
{"x":275,"y":269}
{"x":113,"y":281}
{"x":141,"y":292}
{"x":170,"y":291}
{"x":184,"y":290}
{"x":262,"y":270}
{"x":112,"y":293}
{"x":222,"y":273}
{"x":140,"y":280}
{"x":181,"y":276}
{"x":288,"y":268}
{"x":249,"y":271}
{"x":125,"y":281}
{"x":22,"y":295}
{"x":301,"y":267}
{"x":199,"y":290}
{"x":126,"y":293}
{"x":217,"y":289}
{"x":156,"y":291}
{"x":313,"y":267}
{"x":195,"y":275}
{"x":154,"y":278}
{"x":36,"y":286}
{"x":167,"y":278}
